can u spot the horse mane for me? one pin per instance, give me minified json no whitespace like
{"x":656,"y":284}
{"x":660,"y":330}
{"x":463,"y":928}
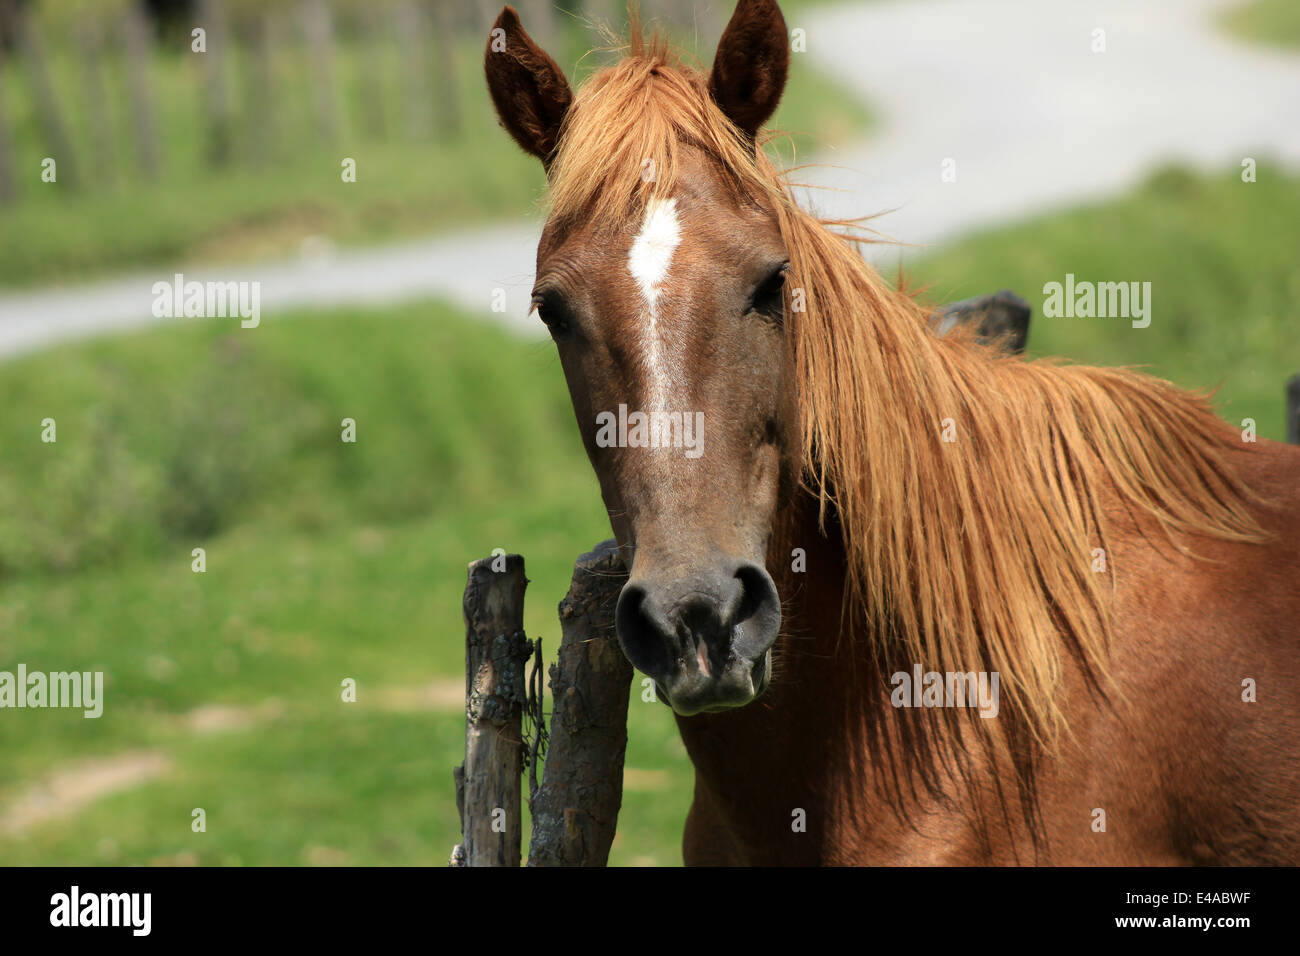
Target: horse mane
{"x":970,"y":554}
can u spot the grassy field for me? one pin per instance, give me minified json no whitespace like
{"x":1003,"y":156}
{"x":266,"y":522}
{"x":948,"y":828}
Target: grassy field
{"x":328,"y":560}
{"x":1220,"y":255}
{"x":325,"y":560}
{"x":256,"y":209}
{"x":1272,"y":22}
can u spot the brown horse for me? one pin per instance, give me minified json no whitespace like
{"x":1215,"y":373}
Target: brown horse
{"x":844,"y":531}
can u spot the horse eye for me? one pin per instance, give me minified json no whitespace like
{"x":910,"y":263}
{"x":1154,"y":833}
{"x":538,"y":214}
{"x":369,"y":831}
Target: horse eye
{"x":768,"y":299}
{"x":553,"y":312}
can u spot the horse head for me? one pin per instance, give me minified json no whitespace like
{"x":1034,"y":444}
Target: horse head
{"x":661,"y":276}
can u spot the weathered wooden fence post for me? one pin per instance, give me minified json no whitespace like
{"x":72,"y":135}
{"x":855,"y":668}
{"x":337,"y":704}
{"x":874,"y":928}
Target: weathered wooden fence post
{"x":8,"y":191}
{"x":488,"y":785}
{"x":136,"y":40}
{"x":47,"y":107}
{"x":575,"y":811}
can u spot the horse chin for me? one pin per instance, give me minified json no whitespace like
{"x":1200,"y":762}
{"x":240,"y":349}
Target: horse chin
{"x":742,"y":683}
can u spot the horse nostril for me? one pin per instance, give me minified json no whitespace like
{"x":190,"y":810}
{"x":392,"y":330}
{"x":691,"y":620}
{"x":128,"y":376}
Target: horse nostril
{"x":641,"y":632}
{"x":758,"y":615}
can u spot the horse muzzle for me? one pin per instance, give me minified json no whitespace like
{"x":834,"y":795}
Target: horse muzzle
{"x":705,"y":640}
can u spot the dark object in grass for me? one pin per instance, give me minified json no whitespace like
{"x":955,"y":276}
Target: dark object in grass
{"x":1003,"y":316}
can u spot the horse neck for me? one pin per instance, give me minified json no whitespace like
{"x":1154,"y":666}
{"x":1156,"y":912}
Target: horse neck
{"x":773,"y":748}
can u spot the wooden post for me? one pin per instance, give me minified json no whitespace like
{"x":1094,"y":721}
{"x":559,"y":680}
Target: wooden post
{"x":90,"y":40}
{"x":412,"y":30}
{"x":1293,"y":410}
{"x":318,"y":29}
{"x":8,"y":192}
{"x":445,"y":78}
{"x":575,"y":810}
{"x":139,"y":53}
{"x":539,"y":19}
{"x":496,"y":654}
{"x":486,"y":14}
{"x":46,"y":105}
{"x":372,"y":53}
{"x":216,"y":64}
{"x":259,"y":37}
{"x":1003,"y":317}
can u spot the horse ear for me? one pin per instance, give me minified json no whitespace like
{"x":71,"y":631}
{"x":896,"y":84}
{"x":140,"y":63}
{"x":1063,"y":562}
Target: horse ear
{"x":528,"y":89}
{"x":751,"y":64}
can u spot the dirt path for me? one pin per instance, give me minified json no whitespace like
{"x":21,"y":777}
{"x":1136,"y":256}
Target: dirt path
{"x":70,"y":789}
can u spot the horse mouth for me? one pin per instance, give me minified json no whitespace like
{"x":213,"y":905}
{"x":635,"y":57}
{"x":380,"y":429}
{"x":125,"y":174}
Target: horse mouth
{"x":701,"y":692}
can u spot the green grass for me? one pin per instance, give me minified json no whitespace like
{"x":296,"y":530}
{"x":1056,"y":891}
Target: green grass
{"x":288,"y":617}
{"x":1220,"y":255}
{"x":328,"y":560}
{"x":325,"y":560}
{"x":265,"y":208}
{"x":1272,"y":22}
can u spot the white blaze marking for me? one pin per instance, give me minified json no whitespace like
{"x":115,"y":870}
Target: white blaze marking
{"x":648,"y":261}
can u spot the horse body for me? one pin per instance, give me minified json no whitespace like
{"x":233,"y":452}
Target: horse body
{"x":1096,"y":540}
{"x":1186,"y":772}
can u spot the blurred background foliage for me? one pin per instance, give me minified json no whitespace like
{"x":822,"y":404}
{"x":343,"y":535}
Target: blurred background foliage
{"x":1272,"y":22}
{"x":166,"y":157}
{"x":328,"y":560}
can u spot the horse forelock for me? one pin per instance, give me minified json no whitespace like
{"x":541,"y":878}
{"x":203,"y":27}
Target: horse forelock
{"x":622,"y":140}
